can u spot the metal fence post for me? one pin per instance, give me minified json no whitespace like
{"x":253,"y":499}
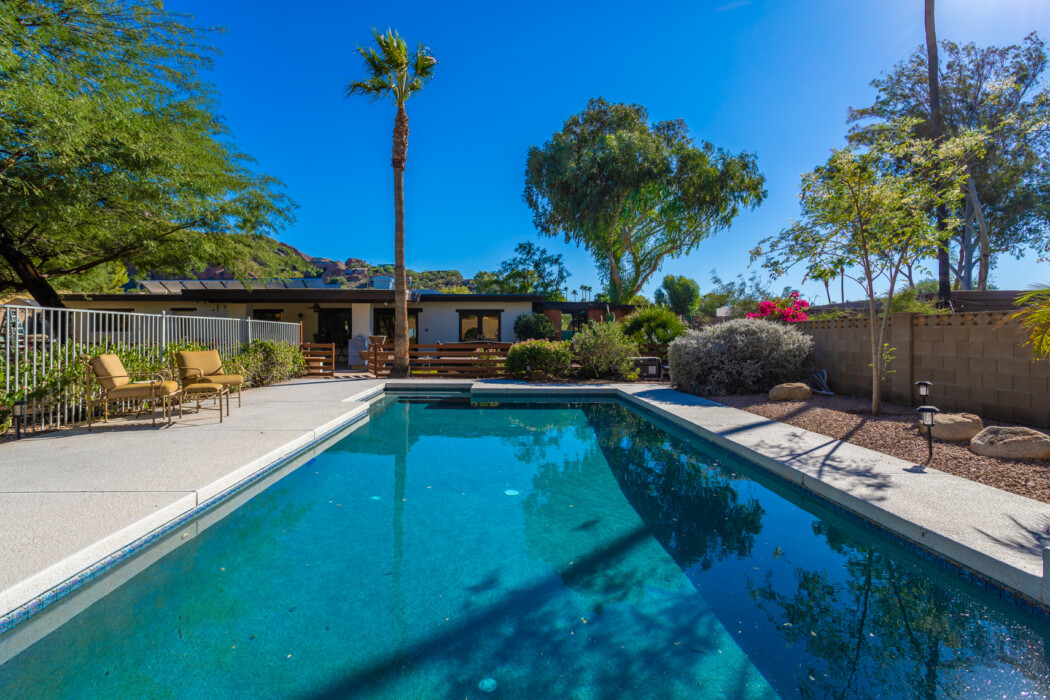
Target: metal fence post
{"x":249,"y":320}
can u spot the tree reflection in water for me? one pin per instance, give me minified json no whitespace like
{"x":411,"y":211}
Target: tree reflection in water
{"x":689,"y":505}
{"x":884,"y":629}
{"x":860,"y":618}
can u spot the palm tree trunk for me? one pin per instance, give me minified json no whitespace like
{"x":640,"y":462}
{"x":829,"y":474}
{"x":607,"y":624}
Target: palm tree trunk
{"x":400,"y":152}
{"x":944,"y":285}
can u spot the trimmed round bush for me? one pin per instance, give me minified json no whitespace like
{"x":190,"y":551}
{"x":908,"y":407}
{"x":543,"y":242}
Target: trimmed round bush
{"x":602,"y":350}
{"x":742,"y":356}
{"x":534,"y":327}
{"x":655,"y":324}
{"x":549,"y":357}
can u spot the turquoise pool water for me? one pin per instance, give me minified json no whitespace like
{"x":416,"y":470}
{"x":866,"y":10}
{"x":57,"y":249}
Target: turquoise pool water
{"x":444,"y":550}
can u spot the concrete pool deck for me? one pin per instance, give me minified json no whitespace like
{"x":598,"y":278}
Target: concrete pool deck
{"x":70,"y":498}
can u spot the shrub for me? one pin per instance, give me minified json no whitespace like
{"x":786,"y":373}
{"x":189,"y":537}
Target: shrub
{"x":267,"y":362}
{"x":789,"y":309}
{"x":602,"y":350}
{"x":739,"y":357}
{"x":656,"y":324}
{"x":534,"y":327}
{"x":549,"y":357}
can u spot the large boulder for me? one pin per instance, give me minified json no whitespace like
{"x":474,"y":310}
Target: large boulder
{"x":792,"y":391}
{"x":955,"y":427}
{"x":1011,"y":443}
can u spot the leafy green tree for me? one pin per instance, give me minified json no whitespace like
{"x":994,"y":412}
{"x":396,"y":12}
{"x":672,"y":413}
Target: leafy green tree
{"x":396,"y":73}
{"x":112,"y":150}
{"x":872,"y":208}
{"x":681,"y":293}
{"x":998,"y":90}
{"x":532,"y":270}
{"x":107,"y":278}
{"x":633,"y":193}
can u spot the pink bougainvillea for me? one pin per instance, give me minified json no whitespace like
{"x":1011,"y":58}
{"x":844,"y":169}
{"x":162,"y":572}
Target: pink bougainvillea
{"x":790,"y":309}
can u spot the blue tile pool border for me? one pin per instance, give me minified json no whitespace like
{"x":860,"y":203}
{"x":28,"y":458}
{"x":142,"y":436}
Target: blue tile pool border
{"x":38,"y":604}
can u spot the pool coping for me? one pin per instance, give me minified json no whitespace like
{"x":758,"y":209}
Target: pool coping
{"x":1023,"y":585}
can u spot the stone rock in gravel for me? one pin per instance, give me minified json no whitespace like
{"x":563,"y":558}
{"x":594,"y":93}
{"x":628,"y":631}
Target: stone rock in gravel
{"x":955,"y":427}
{"x":1011,"y":443}
{"x":793,"y":391}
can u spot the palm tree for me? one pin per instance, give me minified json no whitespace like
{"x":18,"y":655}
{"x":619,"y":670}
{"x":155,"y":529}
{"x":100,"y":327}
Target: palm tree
{"x":394,"y":72}
{"x":585,"y":289}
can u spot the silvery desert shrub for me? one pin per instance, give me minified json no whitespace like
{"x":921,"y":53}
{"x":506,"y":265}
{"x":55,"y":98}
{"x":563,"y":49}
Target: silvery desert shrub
{"x":739,"y":357}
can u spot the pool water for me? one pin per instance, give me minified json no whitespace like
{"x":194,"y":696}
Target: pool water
{"x":451,"y":550}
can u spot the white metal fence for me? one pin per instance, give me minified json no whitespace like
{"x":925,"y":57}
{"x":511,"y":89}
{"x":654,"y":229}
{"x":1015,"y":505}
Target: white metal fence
{"x":41,"y":351}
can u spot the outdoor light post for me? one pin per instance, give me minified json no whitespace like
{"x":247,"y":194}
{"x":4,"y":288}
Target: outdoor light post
{"x":924,"y":390}
{"x":926,"y":418}
{"x":18,"y":412}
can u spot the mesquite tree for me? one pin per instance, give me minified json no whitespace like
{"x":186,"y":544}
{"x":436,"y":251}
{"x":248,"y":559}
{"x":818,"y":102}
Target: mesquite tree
{"x":112,"y":150}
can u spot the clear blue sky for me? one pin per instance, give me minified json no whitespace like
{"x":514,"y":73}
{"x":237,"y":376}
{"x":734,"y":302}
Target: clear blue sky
{"x":774,"y":77}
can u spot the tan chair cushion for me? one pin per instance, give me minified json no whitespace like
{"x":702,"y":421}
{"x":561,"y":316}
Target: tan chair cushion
{"x":142,"y":390}
{"x":109,"y":371}
{"x":227,"y":379}
{"x":203,"y":388}
{"x":189,"y":361}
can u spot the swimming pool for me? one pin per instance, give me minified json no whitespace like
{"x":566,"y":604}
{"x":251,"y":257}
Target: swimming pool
{"x":532,"y":550}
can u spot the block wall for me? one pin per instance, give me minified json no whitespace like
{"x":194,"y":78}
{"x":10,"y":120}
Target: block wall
{"x":978,"y":363}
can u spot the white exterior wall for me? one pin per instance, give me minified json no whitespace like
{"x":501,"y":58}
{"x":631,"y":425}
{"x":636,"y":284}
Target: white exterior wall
{"x":439,"y":320}
{"x":361,"y":320}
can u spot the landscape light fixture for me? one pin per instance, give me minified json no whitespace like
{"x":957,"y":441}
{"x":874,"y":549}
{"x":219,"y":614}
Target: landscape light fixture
{"x":18,"y":413}
{"x":926,"y":418}
{"x":924,"y":390}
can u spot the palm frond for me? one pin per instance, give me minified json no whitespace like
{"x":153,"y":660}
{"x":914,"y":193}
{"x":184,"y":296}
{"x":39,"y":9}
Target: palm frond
{"x":374,"y":88}
{"x":424,"y":63}
{"x":1035,"y":317}
{"x":390,"y":70}
{"x":394,"y":48}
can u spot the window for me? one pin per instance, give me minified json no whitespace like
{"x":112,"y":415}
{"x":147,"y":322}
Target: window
{"x":383,"y":324}
{"x":479,"y":325}
{"x":267,"y":314}
{"x":333,"y":326}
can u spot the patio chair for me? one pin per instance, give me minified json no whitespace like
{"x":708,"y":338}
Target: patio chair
{"x":116,"y":385}
{"x":205,"y":367}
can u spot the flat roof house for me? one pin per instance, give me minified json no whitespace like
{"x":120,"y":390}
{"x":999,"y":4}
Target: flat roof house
{"x":346,"y":317}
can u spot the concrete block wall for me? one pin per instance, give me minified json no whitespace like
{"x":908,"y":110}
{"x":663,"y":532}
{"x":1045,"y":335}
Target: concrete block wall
{"x":978,"y":363}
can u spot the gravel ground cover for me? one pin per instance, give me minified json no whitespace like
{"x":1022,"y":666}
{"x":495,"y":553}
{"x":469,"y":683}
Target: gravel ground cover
{"x":895,"y":433}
